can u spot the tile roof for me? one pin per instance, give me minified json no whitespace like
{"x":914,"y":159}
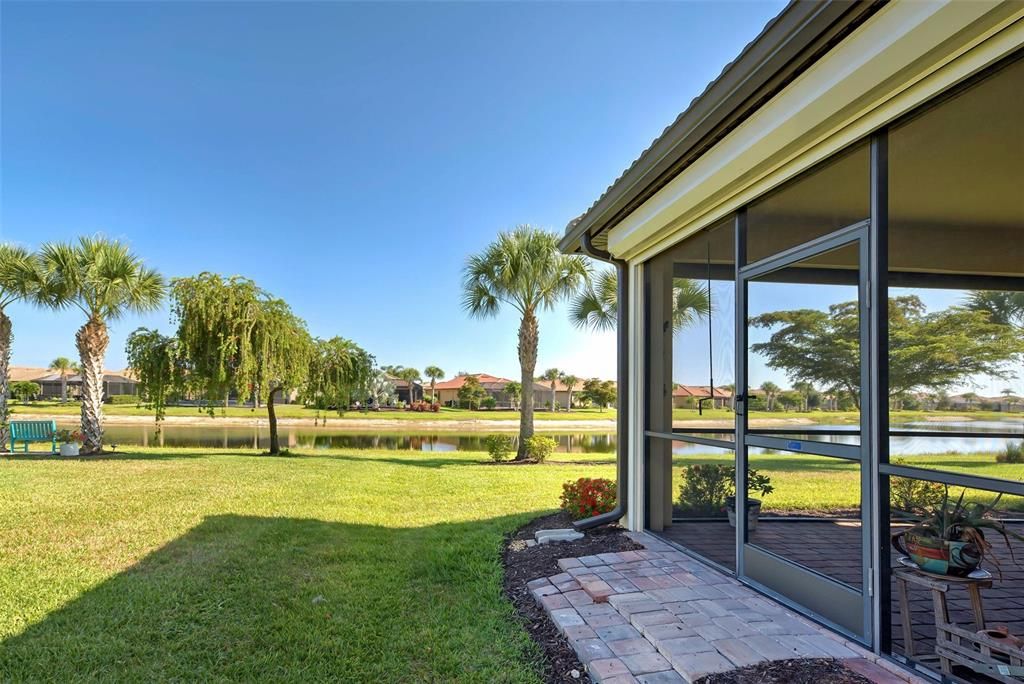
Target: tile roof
{"x":698,"y":391}
{"x":459,"y":380}
{"x":18,"y":373}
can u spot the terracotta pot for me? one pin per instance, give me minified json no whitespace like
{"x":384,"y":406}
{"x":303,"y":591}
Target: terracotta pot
{"x":939,"y":556}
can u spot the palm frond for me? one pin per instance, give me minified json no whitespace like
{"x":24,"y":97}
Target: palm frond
{"x":100,"y":276}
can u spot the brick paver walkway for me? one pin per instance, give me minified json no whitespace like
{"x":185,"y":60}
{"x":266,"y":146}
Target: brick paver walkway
{"x":657,"y":616}
{"x":811,"y":544}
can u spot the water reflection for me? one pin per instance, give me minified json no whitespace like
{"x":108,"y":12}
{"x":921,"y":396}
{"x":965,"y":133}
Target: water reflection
{"x":235,"y":437}
{"x":899,"y":445}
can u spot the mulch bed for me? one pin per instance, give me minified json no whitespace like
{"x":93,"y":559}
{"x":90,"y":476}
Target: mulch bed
{"x":523,"y":563}
{"x":805,"y":671}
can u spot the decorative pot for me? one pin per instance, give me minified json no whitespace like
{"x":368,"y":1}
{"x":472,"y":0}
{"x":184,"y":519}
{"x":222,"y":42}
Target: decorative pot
{"x":69,"y":449}
{"x":753,"y":511}
{"x":939,"y":556}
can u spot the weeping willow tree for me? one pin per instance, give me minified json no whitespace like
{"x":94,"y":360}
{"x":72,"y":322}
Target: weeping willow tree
{"x":154,"y":361}
{"x":237,"y":338}
{"x":339,"y":370}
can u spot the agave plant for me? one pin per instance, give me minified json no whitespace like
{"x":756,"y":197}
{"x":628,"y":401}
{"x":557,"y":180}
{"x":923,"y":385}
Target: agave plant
{"x":966,"y":522}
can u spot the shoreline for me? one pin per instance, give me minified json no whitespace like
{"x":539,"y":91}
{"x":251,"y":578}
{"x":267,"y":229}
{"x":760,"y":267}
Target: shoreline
{"x":391,"y":425}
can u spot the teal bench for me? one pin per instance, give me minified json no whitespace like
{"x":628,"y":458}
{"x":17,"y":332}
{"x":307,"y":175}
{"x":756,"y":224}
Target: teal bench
{"x":34,"y":431}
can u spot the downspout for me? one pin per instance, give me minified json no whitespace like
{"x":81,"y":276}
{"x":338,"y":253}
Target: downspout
{"x":622,"y":391}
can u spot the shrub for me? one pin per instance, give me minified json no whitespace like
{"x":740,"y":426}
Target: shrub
{"x":539,"y":447}
{"x":499,"y":447}
{"x":587,"y":497}
{"x":705,"y":488}
{"x":1013,"y":453}
{"x":435,"y":407}
{"x":123,"y":399}
{"x":70,"y":436}
{"x":489,"y":403}
{"x":914,"y":496}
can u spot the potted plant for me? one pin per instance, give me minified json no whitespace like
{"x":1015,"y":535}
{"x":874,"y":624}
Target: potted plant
{"x":756,"y":484}
{"x":708,"y":489}
{"x":949,"y":538}
{"x":71,"y":442}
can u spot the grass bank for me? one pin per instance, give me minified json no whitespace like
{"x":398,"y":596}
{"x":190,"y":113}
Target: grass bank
{"x":195,"y":565}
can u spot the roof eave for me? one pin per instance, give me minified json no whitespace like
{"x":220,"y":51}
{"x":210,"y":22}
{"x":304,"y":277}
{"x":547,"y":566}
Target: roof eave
{"x":766,"y":64}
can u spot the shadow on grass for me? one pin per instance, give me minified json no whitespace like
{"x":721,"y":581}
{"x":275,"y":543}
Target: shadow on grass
{"x":245,"y":598}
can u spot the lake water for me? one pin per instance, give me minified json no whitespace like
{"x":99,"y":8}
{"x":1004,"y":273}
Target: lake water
{"x":234,"y":436}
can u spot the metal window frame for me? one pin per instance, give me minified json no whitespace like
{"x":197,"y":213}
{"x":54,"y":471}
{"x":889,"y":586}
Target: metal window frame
{"x":856,"y":234}
{"x":875,"y":429}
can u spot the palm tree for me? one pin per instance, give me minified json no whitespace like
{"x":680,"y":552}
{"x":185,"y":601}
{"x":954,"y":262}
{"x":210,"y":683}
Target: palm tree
{"x":552,"y":375}
{"x":104,"y":280}
{"x":731,"y":389}
{"x":514,"y":390}
{"x":411,"y":376}
{"x":434,"y":373}
{"x":596,"y":305}
{"x":65,"y":367}
{"x":1011,"y":399}
{"x":525,"y":270}
{"x":1005,"y":308}
{"x":19,"y":279}
{"x":771,"y":390}
{"x":805,"y":389}
{"x":970,"y":398}
{"x":570,"y":382}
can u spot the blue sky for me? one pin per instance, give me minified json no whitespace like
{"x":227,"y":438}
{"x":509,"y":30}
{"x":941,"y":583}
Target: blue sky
{"x":347,"y":157}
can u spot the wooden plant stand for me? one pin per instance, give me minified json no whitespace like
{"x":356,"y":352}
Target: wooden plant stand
{"x":954,"y":644}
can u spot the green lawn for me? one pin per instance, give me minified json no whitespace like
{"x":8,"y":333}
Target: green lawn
{"x":299,"y":411}
{"x":188,"y":565}
{"x":450,"y":414}
{"x":816,"y":483}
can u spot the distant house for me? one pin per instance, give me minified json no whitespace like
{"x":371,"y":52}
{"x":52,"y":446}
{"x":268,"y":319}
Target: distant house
{"x":447,"y":392}
{"x":402,"y":392}
{"x":562,"y":392}
{"x":688,"y":396}
{"x":114,"y":382}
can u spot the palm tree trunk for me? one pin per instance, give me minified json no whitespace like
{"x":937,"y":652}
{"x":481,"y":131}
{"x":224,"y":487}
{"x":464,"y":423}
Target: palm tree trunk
{"x":554,"y":396}
{"x":528,"y":337}
{"x":568,"y":401}
{"x":63,"y":387}
{"x":5,"y":362}
{"x":275,"y":445}
{"x":92,"y":340}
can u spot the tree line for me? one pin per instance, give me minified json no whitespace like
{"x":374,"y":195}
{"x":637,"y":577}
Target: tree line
{"x":232,"y":337}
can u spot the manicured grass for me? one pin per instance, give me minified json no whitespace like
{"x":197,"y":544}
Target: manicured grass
{"x":330,"y":566}
{"x":299,"y":411}
{"x":450,"y":414}
{"x":817,"y":483}
{"x":844,"y":417}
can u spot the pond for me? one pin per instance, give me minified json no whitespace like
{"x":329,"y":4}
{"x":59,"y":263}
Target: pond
{"x":235,"y":436}
{"x":242,"y":437}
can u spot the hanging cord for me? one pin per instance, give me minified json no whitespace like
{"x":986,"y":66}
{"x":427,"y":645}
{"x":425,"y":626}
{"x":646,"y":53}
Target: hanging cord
{"x":711,"y":350}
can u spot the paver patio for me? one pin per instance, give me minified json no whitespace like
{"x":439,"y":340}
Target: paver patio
{"x":658,"y":616}
{"x":810,"y":543}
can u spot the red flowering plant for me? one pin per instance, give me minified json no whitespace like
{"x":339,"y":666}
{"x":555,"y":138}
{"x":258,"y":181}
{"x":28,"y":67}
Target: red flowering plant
{"x":587,"y":497}
{"x":70,"y":436}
